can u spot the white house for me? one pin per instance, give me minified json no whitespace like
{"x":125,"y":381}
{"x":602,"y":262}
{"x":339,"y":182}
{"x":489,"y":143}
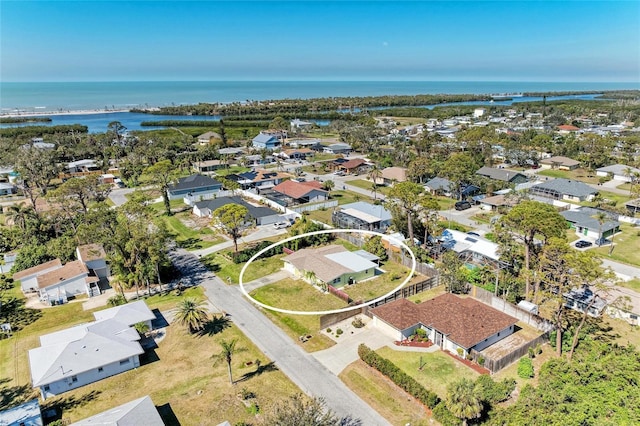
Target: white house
{"x":7,"y":188}
{"x":338,"y":148}
{"x":86,"y":353}
{"x":29,"y":277}
{"x":94,"y":256}
{"x":451,"y":322}
{"x":27,"y":414}
{"x":141,"y":411}
{"x":73,"y":279}
{"x":619,"y":172}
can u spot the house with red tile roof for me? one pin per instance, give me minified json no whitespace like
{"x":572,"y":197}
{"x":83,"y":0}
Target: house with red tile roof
{"x":451,"y":322}
{"x":567,"y":128}
{"x":29,"y":277}
{"x":301,"y":192}
{"x":353,"y":166}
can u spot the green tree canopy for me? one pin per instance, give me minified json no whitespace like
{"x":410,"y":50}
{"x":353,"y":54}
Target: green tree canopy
{"x":233,"y":218}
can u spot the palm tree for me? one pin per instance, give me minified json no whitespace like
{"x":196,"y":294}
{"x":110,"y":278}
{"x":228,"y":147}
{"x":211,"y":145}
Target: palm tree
{"x":601,"y":217}
{"x":192,"y":314}
{"x":228,"y":350}
{"x":463,"y":401}
{"x":374,"y":189}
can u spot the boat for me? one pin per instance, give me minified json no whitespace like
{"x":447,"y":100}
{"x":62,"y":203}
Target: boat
{"x":506,"y":96}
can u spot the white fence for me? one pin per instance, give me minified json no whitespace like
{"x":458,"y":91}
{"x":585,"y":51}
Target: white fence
{"x":316,"y":206}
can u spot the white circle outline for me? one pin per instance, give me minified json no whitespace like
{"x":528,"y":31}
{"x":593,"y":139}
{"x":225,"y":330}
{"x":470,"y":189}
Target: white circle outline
{"x":334,"y":311}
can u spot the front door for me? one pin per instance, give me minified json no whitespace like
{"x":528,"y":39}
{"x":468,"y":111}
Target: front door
{"x":438,"y":339}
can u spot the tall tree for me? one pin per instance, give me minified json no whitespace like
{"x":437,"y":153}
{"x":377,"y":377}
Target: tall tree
{"x":37,"y":168}
{"x":463,"y":400}
{"x":459,"y":168}
{"x":232,"y":217}
{"x":229,"y":349}
{"x":531,"y":220}
{"x":407,"y":197}
{"x":162,"y":174}
{"x":300,"y":410}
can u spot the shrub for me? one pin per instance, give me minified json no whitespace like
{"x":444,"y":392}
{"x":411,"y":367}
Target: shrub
{"x":246,"y":254}
{"x":328,"y":330}
{"x":480,"y":360}
{"x":525,"y":368}
{"x":442,"y":414}
{"x":116,"y":300}
{"x":493,"y":392}
{"x":247,"y":394}
{"x":254,"y":408}
{"x":357,"y":323}
{"x":531,"y":352}
{"x":339,"y":331}
{"x":460,"y":352}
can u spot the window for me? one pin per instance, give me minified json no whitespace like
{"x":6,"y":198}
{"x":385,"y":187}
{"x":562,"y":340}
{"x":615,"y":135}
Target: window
{"x":46,"y":388}
{"x":100,"y":369}
{"x":124,"y":361}
{"x":498,"y":334}
{"x":74,"y":378}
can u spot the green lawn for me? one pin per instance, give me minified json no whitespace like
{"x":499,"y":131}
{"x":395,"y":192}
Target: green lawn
{"x":577,"y":174}
{"x":617,"y":198}
{"x":439,"y":369}
{"x":232,"y":170}
{"x":191,"y":238}
{"x":382,"y":284}
{"x":366,"y":184}
{"x":633,"y":284}
{"x":626,"y":246}
{"x":224,"y":267}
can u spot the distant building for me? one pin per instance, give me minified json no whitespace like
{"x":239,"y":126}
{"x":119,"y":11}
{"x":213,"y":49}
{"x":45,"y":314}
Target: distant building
{"x":338,"y":148}
{"x":620,"y":172}
{"x":560,"y":163}
{"x":391,"y":175}
{"x":266,"y":141}
{"x":194,"y":187}
{"x":298,"y":125}
{"x":564,"y":189}
{"x":7,"y":188}
{"x":209,"y":137}
{"x":502,"y":175}
{"x":362,"y":215}
{"x":293,"y":192}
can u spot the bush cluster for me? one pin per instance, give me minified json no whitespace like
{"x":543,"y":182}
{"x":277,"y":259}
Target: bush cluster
{"x":525,"y":368}
{"x":244,"y":255}
{"x":399,"y":377}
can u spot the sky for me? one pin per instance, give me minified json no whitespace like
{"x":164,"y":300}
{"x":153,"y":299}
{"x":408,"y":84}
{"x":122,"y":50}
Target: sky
{"x":582,"y":41}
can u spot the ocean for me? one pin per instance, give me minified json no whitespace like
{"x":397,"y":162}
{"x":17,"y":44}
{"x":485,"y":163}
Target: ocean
{"x":87,"y":96}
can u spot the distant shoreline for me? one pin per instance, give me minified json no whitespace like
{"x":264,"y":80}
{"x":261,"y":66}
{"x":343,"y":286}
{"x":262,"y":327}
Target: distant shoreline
{"x":68,"y":112}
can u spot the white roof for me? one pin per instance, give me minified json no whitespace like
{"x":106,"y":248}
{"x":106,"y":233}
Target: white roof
{"x":141,"y":411}
{"x":129,"y":313}
{"x":465,"y":242}
{"x":81,"y":163}
{"x":27,"y":413}
{"x":361,"y":215}
{"x":351,"y":261}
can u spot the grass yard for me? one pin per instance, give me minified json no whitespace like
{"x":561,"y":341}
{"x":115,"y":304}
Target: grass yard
{"x":323,"y":215}
{"x":366,"y":184}
{"x":224,"y":267}
{"x":232,"y":170}
{"x":438,"y":372}
{"x":428,"y":295}
{"x":511,"y":371}
{"x":626,"y":246}
{"x":346,"y":197}
{"x":191,"y":237}
{"x":445,"y":203}
{"x":626,"y":333}
{"x":633,"y":284}
{"x":616,"y":199}
{"x":577,"y":174}
{"x":382,"y":395}
{"x":296,"y":295}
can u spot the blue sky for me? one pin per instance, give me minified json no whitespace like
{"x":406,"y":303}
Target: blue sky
{"x":318,"y":40}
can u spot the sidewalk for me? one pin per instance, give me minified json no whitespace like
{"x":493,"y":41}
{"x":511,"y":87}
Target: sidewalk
{"x":266,"y":280}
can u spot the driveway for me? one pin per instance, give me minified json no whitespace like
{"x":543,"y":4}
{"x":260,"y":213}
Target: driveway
{"x":261,"y":232}
{"x":269,"y":279}
{"x":302,"y":368}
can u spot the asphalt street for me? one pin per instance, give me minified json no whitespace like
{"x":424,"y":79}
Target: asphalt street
{"x":302,"y":368}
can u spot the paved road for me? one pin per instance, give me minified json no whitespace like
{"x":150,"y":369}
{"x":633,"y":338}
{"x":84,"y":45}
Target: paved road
{"x":302,"y":368}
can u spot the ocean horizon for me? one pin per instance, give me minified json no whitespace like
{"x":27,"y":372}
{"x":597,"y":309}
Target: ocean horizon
{"x":47,"y":97}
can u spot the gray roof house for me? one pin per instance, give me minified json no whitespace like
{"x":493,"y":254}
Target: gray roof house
{"x":266,"y":141}
{"x":503,"y":175}
{"x":564,"y":189}
{"x":27,"y":414}
{"x":617,"y":172}
{"x":261,"y":215}
{"x":583,"y":299}
{"x":87,"y":353}
{"x":195,"y":187}
{"x":338,"y":148}
{"x":584,"y":221}
{"x":141,"y":411}
{"x":439,"y":186}
{"x":362,"y":215}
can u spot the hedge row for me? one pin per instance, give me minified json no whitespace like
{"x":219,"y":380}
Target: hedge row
{"x":244,"y":255}
{"x":399,"y":377}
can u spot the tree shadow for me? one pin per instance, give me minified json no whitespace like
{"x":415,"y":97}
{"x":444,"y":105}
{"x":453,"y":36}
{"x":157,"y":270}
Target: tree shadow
{"x":17,"y":314}
{"x":190,"y":243}
{"x":59,"y":405}
{"x":258,"y":371}
{"x":11,"y":396}
{"x":215,"y":326}
{"x":168,"y":416}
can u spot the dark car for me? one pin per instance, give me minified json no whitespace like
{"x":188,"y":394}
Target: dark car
{"x":583,"y":244}
{"x":462,"y":205}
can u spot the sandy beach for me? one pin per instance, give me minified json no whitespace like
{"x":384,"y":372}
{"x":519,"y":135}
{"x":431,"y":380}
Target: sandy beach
{"x":44,"y":113}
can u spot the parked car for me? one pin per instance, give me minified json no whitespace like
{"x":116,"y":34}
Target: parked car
{"x":462,"y":205}
{"x":281,"y":225}
{"x":583,"y":244}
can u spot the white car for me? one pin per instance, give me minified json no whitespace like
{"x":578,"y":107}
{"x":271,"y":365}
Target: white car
{"x":280,"y":225}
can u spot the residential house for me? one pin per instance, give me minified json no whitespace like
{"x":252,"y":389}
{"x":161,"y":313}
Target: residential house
{"x":7,"y":188}
{"x":585,"y":223}
{"x":230,"y":151}
{"x":194,"y":187}
{"x":497,"y":202}
{"x":503,"y":175}
{"x":258,"y":160}
{"x":333,"y":265}
{"x":338,"y":148}
{"x":208,"y":166}
{"x":29,"y":277}
{"x":141,"y":411}
{"x":391,"y":175}
{"x":86,"y":353}
{"x":564,"y":189}
{"x":559,"y":163}
{"x":453,"y":323}
{"x":439,"y":186}
{"x":623,"y":304}
{"x":354,"y":166}
{"x":298,"y":125}
{"x":297,"y":153}
{"x":258,"y":215}
{"x":293,"y":192}
{"x":82,"y":166}
{"x":266,"y":141}
{"x":313,"y":144}
{"x":362,"y":215}
{"x":633,"y":206}
{"x":619,"y":172}
{"x":472,"y":248}
{"x":94,"y":256}
{"x":27,"y":414}
{"x":209,"y":137}
{"x":567,"y":128}
{"x":259,"y":179}
{"x":583,"y":299}
{"x":130,"y":314}
{"x":72,"y":279}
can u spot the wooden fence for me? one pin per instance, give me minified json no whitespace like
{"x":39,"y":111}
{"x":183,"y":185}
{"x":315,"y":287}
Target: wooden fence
{"x":495,"y":365}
